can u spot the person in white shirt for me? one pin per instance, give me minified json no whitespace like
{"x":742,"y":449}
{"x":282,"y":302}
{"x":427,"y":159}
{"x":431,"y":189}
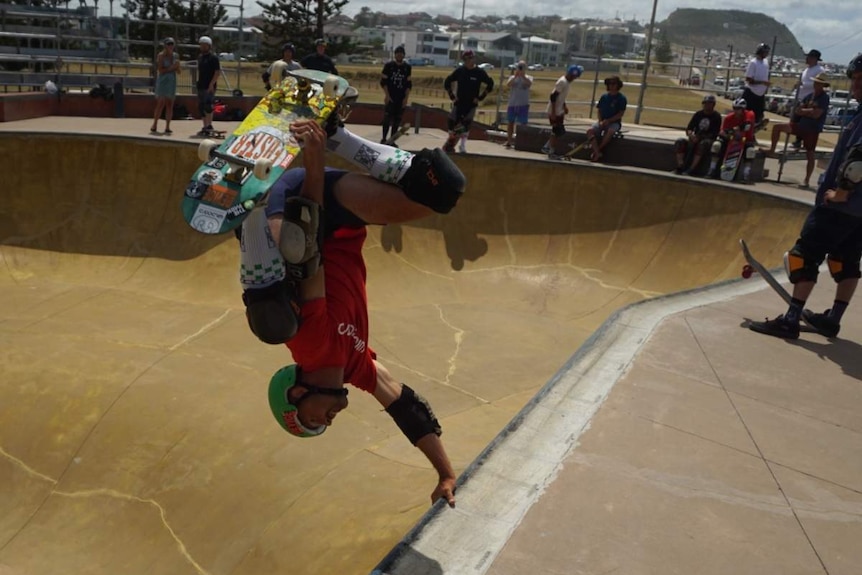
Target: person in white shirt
{"x":557,"y":108}
{"x":806,"y":83}
{"x":518,"y":110}
{"x":757,"y":82}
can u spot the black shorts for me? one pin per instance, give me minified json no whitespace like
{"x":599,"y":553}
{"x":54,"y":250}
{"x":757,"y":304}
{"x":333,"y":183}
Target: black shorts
{"x":205,"y":101}
{"x":828,"y":231}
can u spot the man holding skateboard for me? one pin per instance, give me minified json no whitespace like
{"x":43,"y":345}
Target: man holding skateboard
{"x":832,"y":231}
{"x":738,"y":126}
{"x":304,"y":279}
{"x":396,"y":83}
{"x":701,"y":132}
{"x":468,"y":80}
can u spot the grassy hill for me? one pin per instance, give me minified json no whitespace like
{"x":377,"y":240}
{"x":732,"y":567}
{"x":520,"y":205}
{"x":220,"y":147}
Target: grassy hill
{"x":717,"y":29}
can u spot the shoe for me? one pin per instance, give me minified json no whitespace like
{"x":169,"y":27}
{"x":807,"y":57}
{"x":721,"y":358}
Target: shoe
{"x":546,"y":149}
{"x":797,"y":144}
{"x":822,"y":322}
{"x":462,"y":147}
{"x":686,"y":173}
{"x":677,"y":171}
{"x":507,"y":145}
{"x":154,"y":131}
{"x":555,"y":157}
{"x":778,"y":327}
{"x":383,"y":141}
{"x":168,"y":132}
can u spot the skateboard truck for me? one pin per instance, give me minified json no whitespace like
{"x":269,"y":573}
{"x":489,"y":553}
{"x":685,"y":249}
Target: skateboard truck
{"x":208,"y":149}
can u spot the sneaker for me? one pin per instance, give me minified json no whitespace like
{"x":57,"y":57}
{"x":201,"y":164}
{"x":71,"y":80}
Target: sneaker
{"x":677,"y":171}
{"x":778,"y":327}
{"x":822,"y":322}
{"x":686,"y":172}
{"x":462,"y":147}
{"x":508,"y":145}
{"x":546,"y":149}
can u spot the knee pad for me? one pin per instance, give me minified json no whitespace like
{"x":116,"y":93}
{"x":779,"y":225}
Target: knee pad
{"x":798,"y":267}
{"x":433,"y":180}
{"x":301,"y":237}
{"x":850,"y":170}
{"x":273,"y":312}
{"x":680,"y":145}
{"x":750,"y":153}
{"x":840,"y":269}
{"x":716,"y":147}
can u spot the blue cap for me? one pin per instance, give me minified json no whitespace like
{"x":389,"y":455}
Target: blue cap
{"x":575,"y":70}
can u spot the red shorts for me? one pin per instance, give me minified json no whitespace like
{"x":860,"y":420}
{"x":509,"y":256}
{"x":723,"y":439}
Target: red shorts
{"x":809,"y":138}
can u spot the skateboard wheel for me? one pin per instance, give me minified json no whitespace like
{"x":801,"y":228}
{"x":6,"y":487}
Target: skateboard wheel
{"x":248,"y":205}
{"x":330,"y":87}
{"x":747,"y":270}
{"x":205,"y":148}
{"x":262,"y":168}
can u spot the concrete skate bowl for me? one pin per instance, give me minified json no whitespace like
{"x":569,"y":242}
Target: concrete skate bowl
{"x":135,"y":436}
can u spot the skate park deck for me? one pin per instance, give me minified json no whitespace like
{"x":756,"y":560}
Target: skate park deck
{"x":661,"y":437}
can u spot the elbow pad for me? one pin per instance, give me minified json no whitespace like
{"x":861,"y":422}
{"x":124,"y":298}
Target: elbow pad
{"x":413,"y":415}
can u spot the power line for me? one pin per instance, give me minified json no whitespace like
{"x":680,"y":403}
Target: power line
{"x":851,"y":36}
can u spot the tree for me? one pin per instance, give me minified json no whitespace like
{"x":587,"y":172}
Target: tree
{"x":191,"y":12}
{"x":663,"y":51}
{"x":297,"y":21}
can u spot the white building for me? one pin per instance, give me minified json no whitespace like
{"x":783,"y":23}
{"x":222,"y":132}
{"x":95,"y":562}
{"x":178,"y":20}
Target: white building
{"x":537,"y":50}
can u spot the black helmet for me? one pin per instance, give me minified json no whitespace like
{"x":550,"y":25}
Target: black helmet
{"x":761,"y":48}
{"x":288,"y":46}
{"x":855,"y":65}
{"x":399,"y":50}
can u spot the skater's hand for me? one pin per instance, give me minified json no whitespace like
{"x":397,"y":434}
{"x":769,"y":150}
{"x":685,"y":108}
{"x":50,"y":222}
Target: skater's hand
{"x":311,"y":137}
{"x":836,"y":196}
{"x":445,"y":489}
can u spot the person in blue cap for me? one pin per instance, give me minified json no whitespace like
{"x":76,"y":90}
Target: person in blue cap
{"x":557,"y":108}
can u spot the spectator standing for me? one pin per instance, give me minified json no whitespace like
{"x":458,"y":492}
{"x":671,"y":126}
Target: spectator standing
{"x":167,"y":67}
{"x":518,"y":109}
{"x":806,"y":124}
{"x":319,"y":60}
{"x":468,"y":80}
{"x":833,"y":227}
{"x":281,"y":67}
{"x":209,"y":70}
{"x":757,"y":83}
{"x":806,"y":82}
{"x":396,"y":81}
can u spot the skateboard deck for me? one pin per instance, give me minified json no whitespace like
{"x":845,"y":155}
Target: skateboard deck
{"x":236,"y":174}
{"x":571,"y":153}
{"x":732,"y":159}
{"x":755,"y":266}
{"x":398,"y":133}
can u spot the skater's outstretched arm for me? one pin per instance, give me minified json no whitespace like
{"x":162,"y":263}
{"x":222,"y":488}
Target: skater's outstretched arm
{"x":414,"y":417}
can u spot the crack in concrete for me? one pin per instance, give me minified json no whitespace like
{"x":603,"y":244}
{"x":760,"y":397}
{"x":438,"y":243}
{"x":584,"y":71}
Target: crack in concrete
{"x":113,"y":494}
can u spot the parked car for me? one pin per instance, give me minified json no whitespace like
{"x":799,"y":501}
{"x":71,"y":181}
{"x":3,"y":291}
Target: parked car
{"x":535,"y":67}
{"x":839,"y":116}
{"x":486,"y":66}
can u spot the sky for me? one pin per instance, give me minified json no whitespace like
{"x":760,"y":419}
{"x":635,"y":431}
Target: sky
{"x":832,"y":26}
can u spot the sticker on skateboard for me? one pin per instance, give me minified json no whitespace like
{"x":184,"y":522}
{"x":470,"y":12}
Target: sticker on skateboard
{"x":236,"y":174}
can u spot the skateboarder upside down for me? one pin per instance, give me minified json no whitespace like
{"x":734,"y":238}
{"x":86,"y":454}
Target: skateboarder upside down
{"x":303,"y":276}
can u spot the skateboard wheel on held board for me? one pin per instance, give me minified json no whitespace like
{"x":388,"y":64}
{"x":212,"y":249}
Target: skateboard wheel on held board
{"x":262,"y":168}
{"x":747,"y":271}
{"x":205,"y":148}
{"x":330,"y":87}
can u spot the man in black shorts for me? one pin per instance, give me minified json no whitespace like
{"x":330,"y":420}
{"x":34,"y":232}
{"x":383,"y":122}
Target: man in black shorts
{"x":209,"y":70}
{"x":396,"y":83}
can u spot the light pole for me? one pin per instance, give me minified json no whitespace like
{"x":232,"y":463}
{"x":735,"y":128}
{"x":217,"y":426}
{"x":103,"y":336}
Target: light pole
{"x":729,"y":64}
{"x":461,"y":29}
{"x":646,"y":63}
